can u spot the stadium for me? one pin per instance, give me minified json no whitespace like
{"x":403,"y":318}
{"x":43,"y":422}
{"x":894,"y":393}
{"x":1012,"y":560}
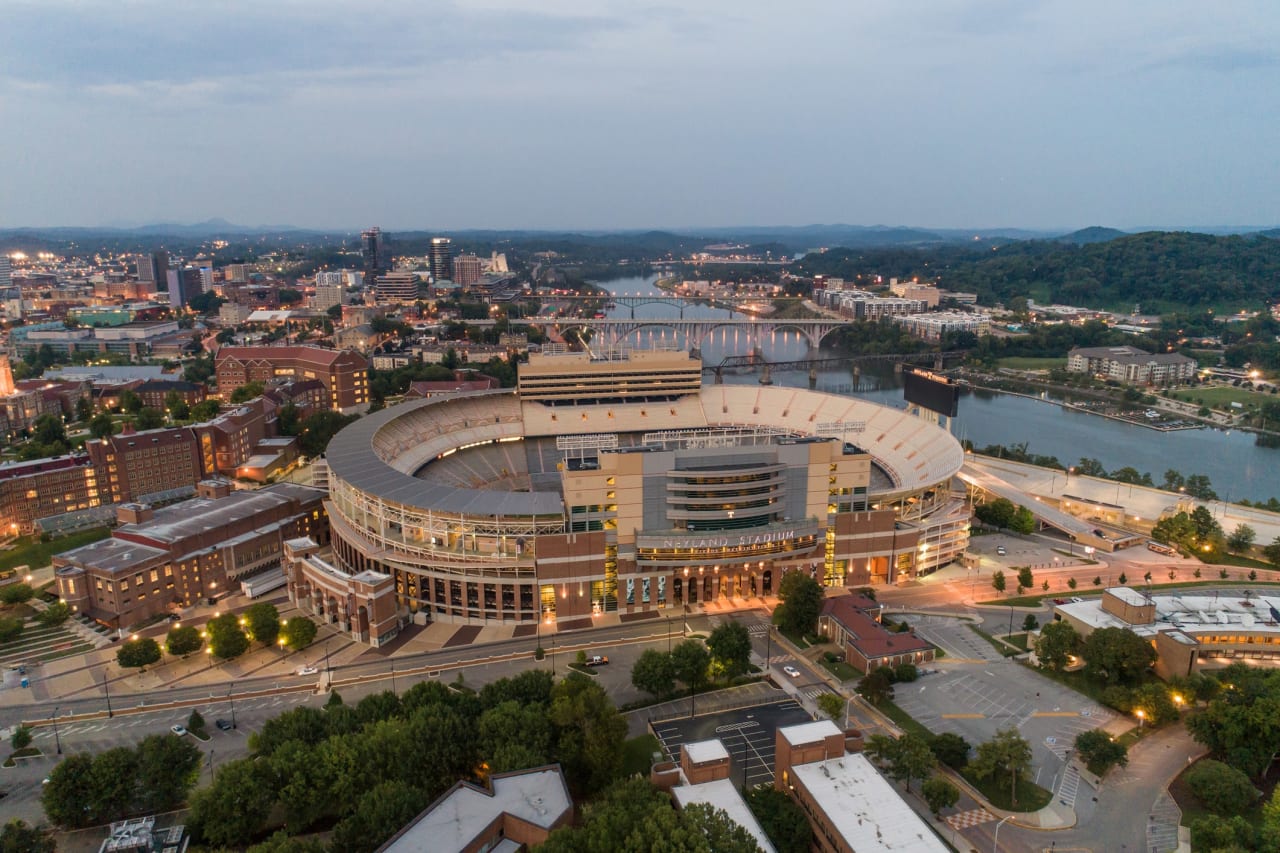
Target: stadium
{"x":622,"y":484}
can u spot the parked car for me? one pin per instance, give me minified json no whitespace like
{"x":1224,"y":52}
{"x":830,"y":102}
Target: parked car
{"x":1000,"y":551}
{"x":307,"y":670}
{"x":791,"y":671}
{"x":1059,"y":601}
{"x":223,"y":725}
{"x":597,"y":660}
{"x":178,"y":730}
{"x":1076,"y":600}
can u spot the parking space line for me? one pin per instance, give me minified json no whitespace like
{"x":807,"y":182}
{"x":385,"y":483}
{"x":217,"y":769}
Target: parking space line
{"x":964,"y":716}
{"x":1055,"y":714}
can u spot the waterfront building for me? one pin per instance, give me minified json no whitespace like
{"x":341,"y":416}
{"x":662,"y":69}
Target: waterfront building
{"x":932,"y":327}
{"x":1132,"y":365}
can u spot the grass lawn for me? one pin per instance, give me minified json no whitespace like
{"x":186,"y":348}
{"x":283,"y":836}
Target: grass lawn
{"x":637,"y":754}
{"x":1219,"y":396}
{"x":1249,"y":563}
{"x":1031,"y":797}
{"x":842,"y":670}
{"x":904,"y":721}
{"x":1029,"y":363}
{"x":800,"y":641}
{"x":36,"y":554}
{"x":1019,"y":640}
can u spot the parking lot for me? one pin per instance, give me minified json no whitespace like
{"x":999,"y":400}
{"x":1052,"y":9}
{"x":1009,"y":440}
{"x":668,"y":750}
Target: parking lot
{"x":748,"y":735}
{"x":976,"y":700}
{"x":953,"y":636}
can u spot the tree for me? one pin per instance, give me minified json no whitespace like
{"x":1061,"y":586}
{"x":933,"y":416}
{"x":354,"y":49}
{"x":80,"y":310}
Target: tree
{"x":998,"y":513}
{"x":263,"y":622}
{"x":1241,"y":538}
{"x":17,"y":837}
{"x":515,"y":736}
{"x":230,"y":812}
{"x":1100,"y":752}
{"x":177,"y":407}
{"x":1272,"y":552}
{"x":589,"y":731}
{"x":226,"y":639}
{"x":654,"y":672}
{"x":183,"y":641}
{"x":102,"y":426}
{"x":950,"y":749}
{"x":167,"y":770}
{"x":378,"y":815}
{"x":940,"y":794}
{"x":1156,"y":704}
{"x":55,"y":614}
{"x":1026,"y":580}
{"x":905,"y":673}
{"x":1023,"y":521}
{"x":149,"y":418}
{"x":691,"y":660}
{"x":1029,"y":622}
{"x":998,"y":581}
{"x":1006,"y":753}
{"x":319,"y":428}
{"x":299,"y":632}
{"x":84,"y":408}
{"x":730,"y":647}
{"x":68,"y":795}
{"x":801,"y":603}
{"x":21,"y":738}
{"x":875,"y":686}
{"x":1072,"y":583}
{"x":1116,"y":656}
{"x":911,"y":759}
{"x":10,"y":628}
{"x":247,"y":392}
{"x":18,"y":593}
{"x":831,"y":705}
{"x":1220,"y":787}
{"x":1057,"y":642}
{"x":205,"y":410}
{"x":781,"y":818}
{"x":138,"y":653}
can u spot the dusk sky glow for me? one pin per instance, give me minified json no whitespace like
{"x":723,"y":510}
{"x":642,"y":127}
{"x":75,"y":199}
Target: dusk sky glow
{"x":558,"y":114}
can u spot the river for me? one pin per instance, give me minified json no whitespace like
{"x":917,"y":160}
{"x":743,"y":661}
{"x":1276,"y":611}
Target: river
{"x":1237,"y":467}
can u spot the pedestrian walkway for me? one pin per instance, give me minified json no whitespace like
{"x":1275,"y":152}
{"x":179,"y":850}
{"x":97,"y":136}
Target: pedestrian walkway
{"x":1070,"y":786}
{"x":1162,"y":824}
{"x":968,"y":819}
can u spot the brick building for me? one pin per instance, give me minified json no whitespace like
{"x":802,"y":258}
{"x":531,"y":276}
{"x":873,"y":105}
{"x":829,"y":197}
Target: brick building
{"x":345,"y":374}
{"x":155,"y":393}
{"x":158,"y":560}
{"x":852,"y":622}
{"x":44,"y":487}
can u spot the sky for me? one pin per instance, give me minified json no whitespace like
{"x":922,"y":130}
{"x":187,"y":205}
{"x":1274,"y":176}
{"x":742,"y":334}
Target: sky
{"x":553,"y":114}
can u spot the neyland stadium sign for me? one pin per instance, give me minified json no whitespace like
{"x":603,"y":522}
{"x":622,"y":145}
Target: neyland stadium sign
{"x":730,"y":541}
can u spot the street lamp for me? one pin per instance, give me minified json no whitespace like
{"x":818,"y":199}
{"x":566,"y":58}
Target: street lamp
{"x":106,"y":685}
{"x":1142,"y":716}
{"x":995,"y":840}
{"x":57,"y":740}
{"x":232,"y":700}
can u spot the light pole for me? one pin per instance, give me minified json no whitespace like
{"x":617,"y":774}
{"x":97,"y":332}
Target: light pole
{"x":1010,"y":620}
{"x":232,"y":700}
{"x":995,"y":840}
{"x":1142,"y":717}
{"x":106,"y":685}
{"x":57,"y":740}
{"x":393,"y":678}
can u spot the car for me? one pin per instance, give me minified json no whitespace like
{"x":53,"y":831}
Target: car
{"x":791,"y":671}
{"x":597,"y":660}
{"x":224,"y":725}
{"x":178,"y":730}
{"x":44,"y":781}
{"x":1059,"y":601}
{"x":1000,"y":551}
{"x":1076,"y":600}
{"x":307,"y":670}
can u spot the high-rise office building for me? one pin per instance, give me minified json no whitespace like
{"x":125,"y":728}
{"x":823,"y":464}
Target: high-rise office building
{"x":375,"y":252}
{"x":330,"y":290}
{"x":396,"y":287}
{"x":467,"y":270}
{"x":153,"y":271}
{"x":183,"y":284}
{"x":441,"y":258}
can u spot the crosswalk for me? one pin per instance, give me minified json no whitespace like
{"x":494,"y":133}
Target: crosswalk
{"x":968,"y":819}
{"x":1070,"y":786}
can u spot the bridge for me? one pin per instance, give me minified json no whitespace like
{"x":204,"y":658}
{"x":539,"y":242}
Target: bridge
{"x":937,"y":359}
{"x":612,"y":333}
{"x":678,"y":302}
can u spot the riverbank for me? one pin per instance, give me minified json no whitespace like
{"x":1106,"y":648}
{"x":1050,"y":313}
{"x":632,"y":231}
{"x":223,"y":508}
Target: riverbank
{"x":1077,"y":407}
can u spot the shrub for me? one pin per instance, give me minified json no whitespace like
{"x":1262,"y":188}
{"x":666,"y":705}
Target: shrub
{"x":1220,"y":787}
{"x":905,"y":672}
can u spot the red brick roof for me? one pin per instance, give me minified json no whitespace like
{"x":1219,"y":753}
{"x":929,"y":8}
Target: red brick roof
{"x":868,"y":636}
{"x":314,"y":355}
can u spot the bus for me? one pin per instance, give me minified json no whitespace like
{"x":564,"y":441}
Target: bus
{"x":1161,"y":548}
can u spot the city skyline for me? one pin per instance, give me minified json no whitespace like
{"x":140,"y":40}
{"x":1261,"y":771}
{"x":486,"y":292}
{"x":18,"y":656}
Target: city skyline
{"x":980,"y":114}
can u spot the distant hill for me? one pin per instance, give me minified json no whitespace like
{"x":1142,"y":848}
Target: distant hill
{"x":1094,"y":234}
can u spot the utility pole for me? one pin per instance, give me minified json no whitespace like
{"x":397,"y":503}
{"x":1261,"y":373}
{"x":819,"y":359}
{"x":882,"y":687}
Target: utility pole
{"x":232,"y":700}
{"x":106,"y":685}
{"x":57,"y":740}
